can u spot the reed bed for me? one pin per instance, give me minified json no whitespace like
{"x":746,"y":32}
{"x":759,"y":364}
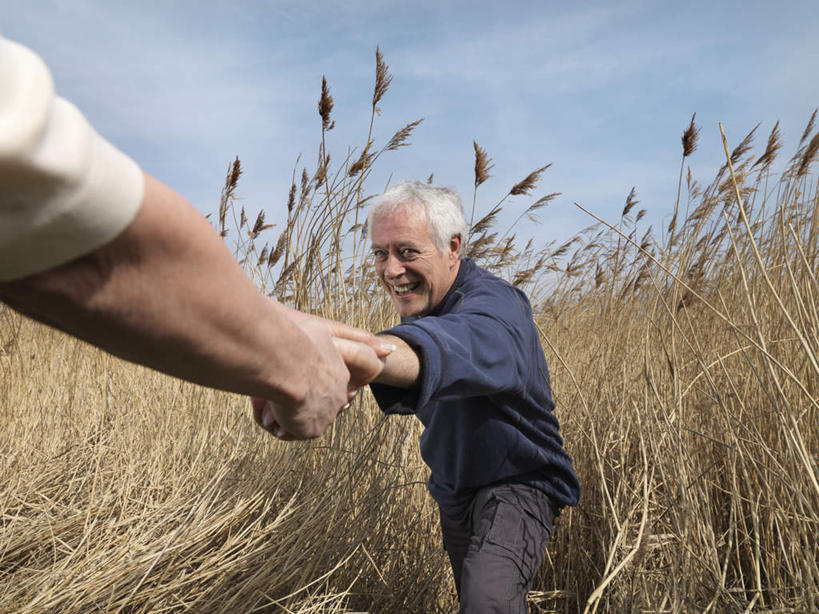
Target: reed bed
{"x":685,"y":370}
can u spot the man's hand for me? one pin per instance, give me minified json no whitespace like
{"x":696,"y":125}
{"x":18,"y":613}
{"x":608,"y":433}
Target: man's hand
{"x":358,"y":360}
{"x":343,"y":333}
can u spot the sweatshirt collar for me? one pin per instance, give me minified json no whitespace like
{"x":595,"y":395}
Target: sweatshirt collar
{"x":466,"y":267}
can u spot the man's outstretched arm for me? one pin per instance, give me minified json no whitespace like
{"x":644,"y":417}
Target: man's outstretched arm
{"x":402,"y":367}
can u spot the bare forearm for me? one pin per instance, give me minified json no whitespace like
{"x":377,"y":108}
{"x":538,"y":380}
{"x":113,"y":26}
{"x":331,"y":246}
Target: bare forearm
{"x":168,"y":294}
{"x":402,"y":368}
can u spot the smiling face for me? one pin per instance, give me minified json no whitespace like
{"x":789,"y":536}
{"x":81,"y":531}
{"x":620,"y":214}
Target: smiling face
{"x":408,"y":262}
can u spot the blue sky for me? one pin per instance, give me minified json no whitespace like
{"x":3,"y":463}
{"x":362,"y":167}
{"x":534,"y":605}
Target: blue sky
{"x":602,"y":90}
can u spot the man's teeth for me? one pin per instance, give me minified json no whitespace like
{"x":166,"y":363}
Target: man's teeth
{"x":404,"y":288}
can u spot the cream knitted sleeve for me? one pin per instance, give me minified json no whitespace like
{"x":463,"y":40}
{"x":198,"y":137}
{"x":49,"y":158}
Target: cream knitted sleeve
{"x":64,"y":190}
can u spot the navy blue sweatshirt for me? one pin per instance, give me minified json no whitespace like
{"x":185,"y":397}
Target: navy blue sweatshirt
{"x":484,"y":395}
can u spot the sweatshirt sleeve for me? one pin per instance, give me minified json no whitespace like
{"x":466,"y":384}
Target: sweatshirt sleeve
{"x":64,"y":190}
{"x":480,"y":350}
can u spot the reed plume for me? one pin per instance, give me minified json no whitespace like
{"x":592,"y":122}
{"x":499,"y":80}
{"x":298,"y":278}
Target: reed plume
{"x":399,"y":139}
{"x":228,"y":193}
{"x":483,"y":164}
{"x":689,"y":138}
{"x":325,"y":105}
{"x":771,"y":149}
{"x":744,"y":146}
{"x":808,"y":128}
{"x":529,"y":182}
{"x":631,"y":202}
{"x":808,"y":156}
{"x":382,"y":77}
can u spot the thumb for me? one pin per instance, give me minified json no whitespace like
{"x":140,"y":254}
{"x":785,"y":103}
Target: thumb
{"x":361,"y":361}
{"x":262,"y":413}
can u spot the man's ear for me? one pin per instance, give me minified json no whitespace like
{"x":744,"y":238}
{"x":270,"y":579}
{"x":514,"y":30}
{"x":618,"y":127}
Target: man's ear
{"x":455,"y":248}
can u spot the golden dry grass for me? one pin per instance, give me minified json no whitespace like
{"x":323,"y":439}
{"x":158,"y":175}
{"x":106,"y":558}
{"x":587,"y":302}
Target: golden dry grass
{"x":685,"y":374}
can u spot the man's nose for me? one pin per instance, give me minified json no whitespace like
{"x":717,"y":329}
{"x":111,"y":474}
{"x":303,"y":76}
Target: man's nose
{"x":394,"y":267}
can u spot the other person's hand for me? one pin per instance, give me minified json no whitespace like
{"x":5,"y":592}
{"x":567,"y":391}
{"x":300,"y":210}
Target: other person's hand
{"x":360,"y":364}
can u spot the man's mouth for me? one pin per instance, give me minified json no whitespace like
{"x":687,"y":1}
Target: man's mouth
{"x":402,"y":289}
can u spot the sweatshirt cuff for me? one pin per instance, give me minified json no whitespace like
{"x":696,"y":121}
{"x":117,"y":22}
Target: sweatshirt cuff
{"x":66,"y":190}
{"x":429,"y":356}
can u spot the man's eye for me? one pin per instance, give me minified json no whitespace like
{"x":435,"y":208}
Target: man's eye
{"x":379,"y":254}
{"x":408,"y":252}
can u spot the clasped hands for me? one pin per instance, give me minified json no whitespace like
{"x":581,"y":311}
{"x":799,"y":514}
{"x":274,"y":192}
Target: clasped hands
{"x":347,"y":358}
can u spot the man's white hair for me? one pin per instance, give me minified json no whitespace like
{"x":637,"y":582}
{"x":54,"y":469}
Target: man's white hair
{"x":441,"y":206}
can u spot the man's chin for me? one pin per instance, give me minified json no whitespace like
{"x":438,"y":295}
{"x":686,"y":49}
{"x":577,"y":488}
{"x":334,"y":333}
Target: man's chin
{"x":406,"y":309}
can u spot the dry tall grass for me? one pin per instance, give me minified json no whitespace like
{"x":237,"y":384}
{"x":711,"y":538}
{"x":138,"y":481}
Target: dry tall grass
{"x":685,"y":372}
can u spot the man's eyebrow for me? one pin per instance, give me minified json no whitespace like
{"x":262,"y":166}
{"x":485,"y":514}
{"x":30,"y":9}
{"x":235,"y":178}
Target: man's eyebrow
{"x":399,"y":245}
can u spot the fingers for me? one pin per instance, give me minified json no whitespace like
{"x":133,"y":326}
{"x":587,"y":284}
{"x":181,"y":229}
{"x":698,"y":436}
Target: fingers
{"x":351,"y":333}
{"x":258,"y":406}
{"x":346,"y":358}
{"x":265,"y":417}
{"x":361,"y":360}
{"x":381,"y":348}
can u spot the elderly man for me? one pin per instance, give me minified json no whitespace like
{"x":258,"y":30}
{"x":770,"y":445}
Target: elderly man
{"x":470,"y":365}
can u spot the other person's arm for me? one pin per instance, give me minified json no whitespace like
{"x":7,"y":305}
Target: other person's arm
{"x":91,"y":246}
{"x":167,"y":293}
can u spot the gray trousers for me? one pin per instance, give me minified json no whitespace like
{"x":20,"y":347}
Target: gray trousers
{"x":497,"y":549}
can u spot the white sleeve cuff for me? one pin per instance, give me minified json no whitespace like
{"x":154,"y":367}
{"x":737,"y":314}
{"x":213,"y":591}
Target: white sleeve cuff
{"x":64,"y":190}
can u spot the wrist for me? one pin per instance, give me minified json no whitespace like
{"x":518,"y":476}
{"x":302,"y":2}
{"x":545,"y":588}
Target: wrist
{"x":402,"y":367}
{"x":285,"y":372}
